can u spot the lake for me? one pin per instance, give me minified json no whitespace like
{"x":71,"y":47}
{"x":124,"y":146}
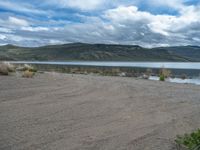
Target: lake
{"x":178,"y":80}
{"x":169,"y":65}
{"x":156,"y":65}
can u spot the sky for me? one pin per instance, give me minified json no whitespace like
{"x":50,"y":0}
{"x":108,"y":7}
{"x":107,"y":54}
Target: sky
{"x":149,"y":23}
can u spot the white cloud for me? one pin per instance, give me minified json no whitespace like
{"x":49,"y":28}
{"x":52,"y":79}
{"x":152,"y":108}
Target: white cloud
{"x":163,"y":24}
{"x":123,"y":13}
{"x":177,"y":4}
{"x":53,"y":41}
{"x":17,"y":21}
{"x":20,"y":7}
{"x":2,"y":37}
{"x":121,"y":25}
{"x":34,"y":29}
{"x":79,"y":4}
{"x":86,"y":4}
{"x":5,"y":30}
{"x":126,"y":16}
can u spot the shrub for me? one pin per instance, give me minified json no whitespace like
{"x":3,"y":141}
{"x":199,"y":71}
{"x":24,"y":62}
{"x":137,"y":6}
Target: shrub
{"x":28,"y":74}
{"x":183,"y":76}
{"x":26,"y":67}
{"x":149,"y":72}
{"x":29,"y":68}
{"x":165,"y":72}
{"x":162,"y":78}
{"x":3,"y":69}
{"x":190,"y":141}
{"x":10,"y":67}
{"x":6,"y":68}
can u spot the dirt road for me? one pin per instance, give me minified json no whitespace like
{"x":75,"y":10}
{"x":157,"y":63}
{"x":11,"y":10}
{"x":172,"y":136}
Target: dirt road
{"x":79,"y":112}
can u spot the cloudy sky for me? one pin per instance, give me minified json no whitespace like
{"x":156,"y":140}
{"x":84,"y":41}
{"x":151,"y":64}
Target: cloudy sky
{"x":147,"y":23}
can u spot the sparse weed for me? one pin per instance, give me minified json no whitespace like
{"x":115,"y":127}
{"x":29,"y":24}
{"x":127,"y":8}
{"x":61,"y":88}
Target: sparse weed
{"x":164,"y":73}
{"x":190,"y":141}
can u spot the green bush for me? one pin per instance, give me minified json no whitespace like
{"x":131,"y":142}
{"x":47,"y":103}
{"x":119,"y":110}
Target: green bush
{"x":162,"y":78}
{"x":190,"y":141}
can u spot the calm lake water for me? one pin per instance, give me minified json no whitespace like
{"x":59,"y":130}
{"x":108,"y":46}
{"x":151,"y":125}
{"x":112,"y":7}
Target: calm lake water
{"x":178,"y":80}
{"x":169,"y":65}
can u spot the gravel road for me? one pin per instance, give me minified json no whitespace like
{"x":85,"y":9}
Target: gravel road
{"x":56,"y":111}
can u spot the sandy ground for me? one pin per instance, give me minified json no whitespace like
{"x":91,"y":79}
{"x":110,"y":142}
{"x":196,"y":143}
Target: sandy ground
{"x":78,"y":112}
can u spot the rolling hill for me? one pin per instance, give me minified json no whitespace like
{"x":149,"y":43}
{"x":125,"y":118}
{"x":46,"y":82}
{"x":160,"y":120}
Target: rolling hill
{"x":99,"y":52}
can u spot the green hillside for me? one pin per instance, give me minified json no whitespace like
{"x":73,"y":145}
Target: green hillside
{"x":99,"y":52}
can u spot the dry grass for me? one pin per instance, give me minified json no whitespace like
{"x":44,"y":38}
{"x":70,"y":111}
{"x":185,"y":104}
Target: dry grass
{"x":26,"y":67}
{"x":30,"y":68}
{"x":6,"y":68}
{"x":28,"y":74}
{"x":149,"y":72}
{"x":165,"y":72}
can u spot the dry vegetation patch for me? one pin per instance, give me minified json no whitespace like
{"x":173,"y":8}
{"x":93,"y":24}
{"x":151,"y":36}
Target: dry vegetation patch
{"x":6,"y":68}
{"x":28,"y":74}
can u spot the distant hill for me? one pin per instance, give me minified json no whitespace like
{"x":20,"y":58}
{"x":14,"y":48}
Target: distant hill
{"x":99,"y":52}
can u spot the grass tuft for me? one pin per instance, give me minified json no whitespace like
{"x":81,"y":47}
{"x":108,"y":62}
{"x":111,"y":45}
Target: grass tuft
{"x":190,"y":141}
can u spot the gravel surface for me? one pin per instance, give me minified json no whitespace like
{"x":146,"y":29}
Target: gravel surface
{"x":56,"y":111}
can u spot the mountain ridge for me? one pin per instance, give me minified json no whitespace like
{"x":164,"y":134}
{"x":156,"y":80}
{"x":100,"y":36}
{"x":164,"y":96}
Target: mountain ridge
{"x":100,"y":52}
